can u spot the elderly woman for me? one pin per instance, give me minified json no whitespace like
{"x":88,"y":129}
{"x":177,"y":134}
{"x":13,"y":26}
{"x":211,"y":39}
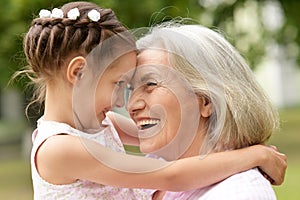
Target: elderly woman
{"x":193,"y":95}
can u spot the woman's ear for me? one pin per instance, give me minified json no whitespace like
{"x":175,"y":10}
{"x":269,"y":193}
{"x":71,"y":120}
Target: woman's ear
{"x":75,"y":69}
{"x":205,"y":107}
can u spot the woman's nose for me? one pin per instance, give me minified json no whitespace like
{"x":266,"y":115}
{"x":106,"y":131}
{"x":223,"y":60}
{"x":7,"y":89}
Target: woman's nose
{"x":135,"y":104}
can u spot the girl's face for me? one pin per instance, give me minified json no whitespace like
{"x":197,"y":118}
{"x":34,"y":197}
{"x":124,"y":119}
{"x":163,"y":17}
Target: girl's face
{"x":110,"y":89}
{"x":159,"y":104}
{"x":96,"y":94}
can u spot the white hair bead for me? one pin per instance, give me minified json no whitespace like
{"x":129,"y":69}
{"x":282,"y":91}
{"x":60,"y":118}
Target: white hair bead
{"x":94,"y":15}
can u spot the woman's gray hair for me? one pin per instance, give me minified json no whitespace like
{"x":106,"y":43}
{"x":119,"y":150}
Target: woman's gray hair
{"x":242,"y":114}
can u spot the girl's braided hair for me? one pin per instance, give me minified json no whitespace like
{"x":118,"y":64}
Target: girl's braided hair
{"x":51,"y":42}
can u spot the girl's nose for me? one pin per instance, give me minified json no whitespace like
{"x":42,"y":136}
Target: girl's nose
{"x":118,"y":98}
{"x":119,"y":101}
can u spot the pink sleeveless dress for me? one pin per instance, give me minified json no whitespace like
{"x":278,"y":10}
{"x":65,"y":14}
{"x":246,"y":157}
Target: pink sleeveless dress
{"x":81,"y":189}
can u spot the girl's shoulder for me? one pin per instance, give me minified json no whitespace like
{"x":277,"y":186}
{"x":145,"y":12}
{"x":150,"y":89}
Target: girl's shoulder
{"x":56,"y":146}
{"x":53,"y":127}
{"x":56,"y":156}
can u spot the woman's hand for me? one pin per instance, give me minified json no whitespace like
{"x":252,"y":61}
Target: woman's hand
{"x":273,"y":164}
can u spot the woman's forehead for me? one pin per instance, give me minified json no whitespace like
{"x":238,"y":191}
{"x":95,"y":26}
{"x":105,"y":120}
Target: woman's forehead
{"x":152,"y":57}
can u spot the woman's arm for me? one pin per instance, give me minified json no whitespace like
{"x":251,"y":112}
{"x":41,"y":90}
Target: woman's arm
{"x":64,"y":159}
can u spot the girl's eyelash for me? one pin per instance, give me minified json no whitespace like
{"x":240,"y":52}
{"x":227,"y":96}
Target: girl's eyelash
{"x":119,"y":83}
{"x":130,"y":87}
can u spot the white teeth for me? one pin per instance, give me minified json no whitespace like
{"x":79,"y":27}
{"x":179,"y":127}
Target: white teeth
{"x":148,"y":121}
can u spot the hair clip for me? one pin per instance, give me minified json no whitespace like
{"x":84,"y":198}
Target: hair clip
{"x":45,"y":13}
{"x":94,"y":15}
{"x":57,"y":13}
{"x":73,"y":14}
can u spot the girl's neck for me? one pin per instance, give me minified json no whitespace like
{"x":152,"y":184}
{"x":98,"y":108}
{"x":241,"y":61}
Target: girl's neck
{"x":58,"y":105}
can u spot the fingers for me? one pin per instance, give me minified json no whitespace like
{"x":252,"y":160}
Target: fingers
{"x":275,"y":167}
{"x":266,"y":176}
{"x":273,"y":147}
{"x":281,"y":167}
{"x":282,"y":155}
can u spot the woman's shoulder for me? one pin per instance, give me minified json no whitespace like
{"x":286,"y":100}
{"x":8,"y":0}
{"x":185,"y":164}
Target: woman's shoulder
{"x":248,"y":177}
{"x":248,"y":184}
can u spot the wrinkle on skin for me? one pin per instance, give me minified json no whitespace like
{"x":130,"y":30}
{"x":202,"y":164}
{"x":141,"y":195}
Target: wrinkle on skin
{"x":172,"y":98}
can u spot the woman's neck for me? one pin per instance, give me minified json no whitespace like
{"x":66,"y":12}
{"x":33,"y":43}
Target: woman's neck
{"x":195,"y":147}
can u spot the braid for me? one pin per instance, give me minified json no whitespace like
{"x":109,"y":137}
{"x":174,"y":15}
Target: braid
{"x":50,"y":42}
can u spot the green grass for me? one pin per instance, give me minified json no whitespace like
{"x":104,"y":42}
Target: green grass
{"x":289,"y":190}
{"x":287,"y":141}
{"x":15,"y":181}
{"x":288,"y":138}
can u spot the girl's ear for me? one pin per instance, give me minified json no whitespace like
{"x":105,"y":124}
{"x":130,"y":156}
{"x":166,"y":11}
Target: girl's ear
{"x":205,"y":107}
{"x":75,"y":69}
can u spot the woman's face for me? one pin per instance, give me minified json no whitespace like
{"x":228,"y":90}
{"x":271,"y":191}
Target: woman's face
{"x":159,"y":105}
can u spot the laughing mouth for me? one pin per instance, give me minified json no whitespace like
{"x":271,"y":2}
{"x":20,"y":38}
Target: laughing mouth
{"x":145,"y":124}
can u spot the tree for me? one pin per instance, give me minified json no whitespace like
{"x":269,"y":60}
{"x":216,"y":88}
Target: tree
{"x":230,"y":17}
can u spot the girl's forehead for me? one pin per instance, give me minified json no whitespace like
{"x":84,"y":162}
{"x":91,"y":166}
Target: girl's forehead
{"x":123,"y":62}
{"x":124,"y":66}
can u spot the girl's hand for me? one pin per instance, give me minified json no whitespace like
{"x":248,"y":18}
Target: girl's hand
{"x":273,"y":164}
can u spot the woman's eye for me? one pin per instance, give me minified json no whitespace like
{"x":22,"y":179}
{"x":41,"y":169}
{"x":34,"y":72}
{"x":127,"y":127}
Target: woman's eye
{"x":151,"y":84}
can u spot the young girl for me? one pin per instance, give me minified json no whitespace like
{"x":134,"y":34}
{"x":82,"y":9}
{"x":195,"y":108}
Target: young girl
{"x":75,"y":158}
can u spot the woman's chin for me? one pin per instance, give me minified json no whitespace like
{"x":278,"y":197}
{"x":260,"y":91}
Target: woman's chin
{"x":146,"y":146}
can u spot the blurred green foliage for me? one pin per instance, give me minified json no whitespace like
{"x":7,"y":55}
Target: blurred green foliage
{"x":16,"y":16}
{"x":11,"y":131}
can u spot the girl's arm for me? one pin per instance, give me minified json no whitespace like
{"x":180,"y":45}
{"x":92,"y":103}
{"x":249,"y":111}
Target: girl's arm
{"x":64,"y":159}
{"x":127,"y":131}
{"x":125,"y":127}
